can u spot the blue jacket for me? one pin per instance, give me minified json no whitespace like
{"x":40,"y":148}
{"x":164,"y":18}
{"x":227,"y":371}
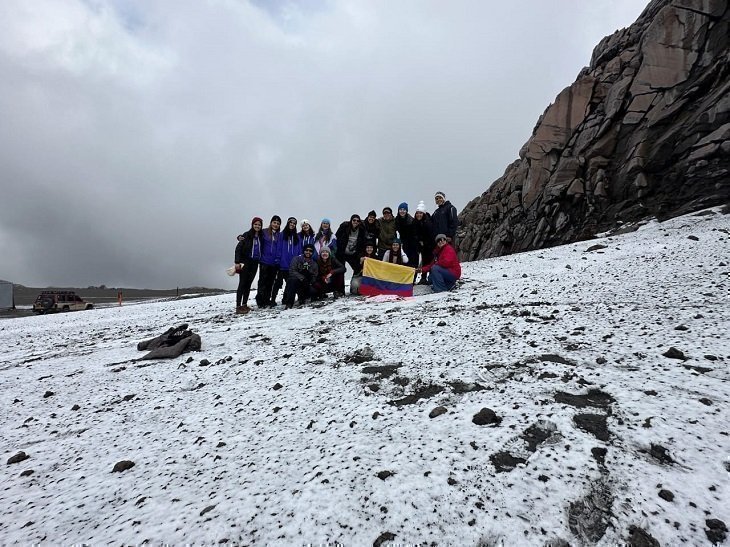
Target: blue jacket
{"x":270,"y":248}
{"x":288,"y":250}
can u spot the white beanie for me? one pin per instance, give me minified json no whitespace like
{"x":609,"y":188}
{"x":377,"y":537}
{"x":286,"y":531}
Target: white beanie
{"x":421,"y":207}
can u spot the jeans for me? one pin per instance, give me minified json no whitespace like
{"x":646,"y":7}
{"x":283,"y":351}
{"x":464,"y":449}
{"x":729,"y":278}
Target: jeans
{"x":442,"y":279}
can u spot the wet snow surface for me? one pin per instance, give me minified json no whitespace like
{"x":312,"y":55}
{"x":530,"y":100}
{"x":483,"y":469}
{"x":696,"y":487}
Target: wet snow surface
{"x":532,"y":406}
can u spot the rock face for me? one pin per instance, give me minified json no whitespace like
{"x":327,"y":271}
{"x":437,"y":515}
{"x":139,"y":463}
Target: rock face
{"x":644,"y":131}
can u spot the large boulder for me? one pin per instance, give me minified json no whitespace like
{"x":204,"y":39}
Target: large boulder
{"x":643,"y":131}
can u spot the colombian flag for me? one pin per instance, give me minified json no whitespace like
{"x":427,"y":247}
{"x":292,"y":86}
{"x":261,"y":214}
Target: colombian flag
{"x":385,"y":278}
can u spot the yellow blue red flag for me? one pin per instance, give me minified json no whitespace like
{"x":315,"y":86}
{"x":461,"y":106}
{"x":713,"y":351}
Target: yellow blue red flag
{"x":385,"y":278}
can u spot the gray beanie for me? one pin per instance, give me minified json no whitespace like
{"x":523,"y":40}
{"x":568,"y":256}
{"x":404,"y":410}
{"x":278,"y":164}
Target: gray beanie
{"x":325,"y":249}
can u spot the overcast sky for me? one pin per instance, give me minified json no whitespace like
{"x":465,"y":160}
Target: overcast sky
{"x":138,"y":137}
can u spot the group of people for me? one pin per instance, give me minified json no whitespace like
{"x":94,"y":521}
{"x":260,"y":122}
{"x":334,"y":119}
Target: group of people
{"x":313,"y":264}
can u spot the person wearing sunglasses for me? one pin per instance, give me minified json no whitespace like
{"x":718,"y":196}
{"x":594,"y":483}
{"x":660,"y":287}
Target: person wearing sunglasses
{"x":444,"y":220}
{"x":303,"y":270}
{"x":387,"y":231}
{"x":445,"y":270}
{"x":350,"y":242}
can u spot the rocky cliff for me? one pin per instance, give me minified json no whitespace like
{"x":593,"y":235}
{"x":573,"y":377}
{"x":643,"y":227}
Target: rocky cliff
{"x":643,"y":131}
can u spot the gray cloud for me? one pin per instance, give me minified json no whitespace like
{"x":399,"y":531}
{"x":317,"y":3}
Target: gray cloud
{"x":139,"y":137}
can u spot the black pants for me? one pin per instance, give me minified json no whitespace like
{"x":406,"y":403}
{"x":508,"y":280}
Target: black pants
{"x":267,"y":276}
{"x":336,"y":285}
{"x":245,"y":278}
{"x":302,"y":289}
{"x":281,"y":276}
{"x":353,"y":261}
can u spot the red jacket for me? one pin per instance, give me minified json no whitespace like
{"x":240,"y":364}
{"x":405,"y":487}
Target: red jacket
{"x":446,"y":258}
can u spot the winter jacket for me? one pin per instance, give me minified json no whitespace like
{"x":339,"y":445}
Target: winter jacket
{"x":319,"y":242}
{"x":248,"y":248}
{"x":270,"y":248}
{"x":423,"y":232}
{"x":335,"y":267}
{"x":343,"y":236}
{"x":403,"y":256}
{"x":444,"y":220}
{"x":407,"y":231}
{"x":372,"y":230}
{"x":288,"y":250}
{"x":386,"y":233}
{"x":446,"y":258}
{"x":303,"y":269}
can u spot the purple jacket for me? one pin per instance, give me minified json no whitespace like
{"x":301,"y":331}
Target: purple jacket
{"x":270,"y":250}
{"x":288,"y":250}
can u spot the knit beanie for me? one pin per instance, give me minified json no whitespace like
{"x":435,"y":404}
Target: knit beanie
{"x":373,"y":214}
{"x":355,"y":216}
{"x":290,"y":219}
{"x":403,"y":205}
{"x":257,"y":219}
{"x":276,"y":217}
{"x":325,"y":249}
{"x":396,"y":240}
{"x":440,"y":194}
{"x":421,"y":207}
{"x":326,"y":220}
{"x":387,"y":209}
{"x":308,"y":246}
{"x":306,"y":221}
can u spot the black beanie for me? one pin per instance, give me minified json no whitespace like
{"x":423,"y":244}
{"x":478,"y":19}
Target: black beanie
{"x":276,"y":217}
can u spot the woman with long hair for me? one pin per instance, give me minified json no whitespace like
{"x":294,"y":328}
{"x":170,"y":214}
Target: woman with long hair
{"x":325,"y":237}
{"x":269,"y":265}
{"x":248,"y":255}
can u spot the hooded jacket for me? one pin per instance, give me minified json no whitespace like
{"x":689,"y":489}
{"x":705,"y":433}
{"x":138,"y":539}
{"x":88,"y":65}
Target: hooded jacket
{"x":444,"y":220}
{"x":446,"y":258}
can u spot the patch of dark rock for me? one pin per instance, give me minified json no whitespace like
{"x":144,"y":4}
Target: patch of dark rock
{"x":711,"y":357}
{"x":424,"y":392}
{"x":486,"y":416}
{"x":277,"y":386}
{"x":693,"y":238}
{"x":207,"y":510}
{"x":452,"y":481}
{"x":706,"y":401}
{"x":666,"y":495}
{"x":17,"y":458}
{"x":438,"y":411}
{"x":464,"y":387}
{"x":597,"y":247}
{"x":122,"y":466}
{"x":552,"y":358}
{"x":659,"y":453}
{"x":599,"y":454}
{"x":535,"y":435}
{"x":589,"y":517}
{"x":545,"y":375}
{"x":75,"y":407}
{"x":401,"y":381}
{"x":27,"y":473}
{"x":650,"y":392}
{"x":681,"y":327}
{"x":204,"y":363}
{"x":716,"y":530}
{"x":374,"y":387}
{"x":504,"y":461}
{"x":638,"y":537}
{"x":382,"y":538}
{"x":595,"y":424}
{"x":543,"y":478}
{"x":594,"y":398}
{"x":362,"y":355}
{"x":701,"y":370}
{"x":383,"y":371}
{"x":601,"y":361}
{"x":674,"y":353}
{"x":382,"y":475}
{"x":48,"y":394}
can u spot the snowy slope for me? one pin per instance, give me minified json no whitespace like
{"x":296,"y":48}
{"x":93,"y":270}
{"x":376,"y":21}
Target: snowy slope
{"x":296,"y":433}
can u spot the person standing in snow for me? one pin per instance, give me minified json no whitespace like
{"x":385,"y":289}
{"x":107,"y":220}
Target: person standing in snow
{"x":248,"y":254}
{"x":444,"y":219}
{"x":406,"y":231}
{"x":424,"y":238}
{"x":325,"y":237}
{"x":291,"y":246}
{"x":445,"y":269}
{"x":331,"y":275}
{"x":269,"y":265}
{"x":372,"y":226}
{"x":386,"y":231}
{"x":351,"y":242}
{"x":303,"y":270}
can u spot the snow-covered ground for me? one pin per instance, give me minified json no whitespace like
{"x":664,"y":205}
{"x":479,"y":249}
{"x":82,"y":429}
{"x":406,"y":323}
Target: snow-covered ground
{"x":296,"y":433}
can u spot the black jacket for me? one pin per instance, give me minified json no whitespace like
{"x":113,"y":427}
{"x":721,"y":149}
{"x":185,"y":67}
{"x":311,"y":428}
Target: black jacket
{"x":245,"y":248}
{"x":407,"y":231}
{"x":343,"y":236}
{"x":423,"y":232}
{"x":444,"y":220}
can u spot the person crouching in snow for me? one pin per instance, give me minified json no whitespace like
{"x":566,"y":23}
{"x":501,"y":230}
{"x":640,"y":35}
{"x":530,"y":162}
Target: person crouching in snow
{"x":303,"y":270}
{"x":369,"y":252}
{"x":445,"y":269}
{"x":395,"y":254}
{"x":331,"y":275}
